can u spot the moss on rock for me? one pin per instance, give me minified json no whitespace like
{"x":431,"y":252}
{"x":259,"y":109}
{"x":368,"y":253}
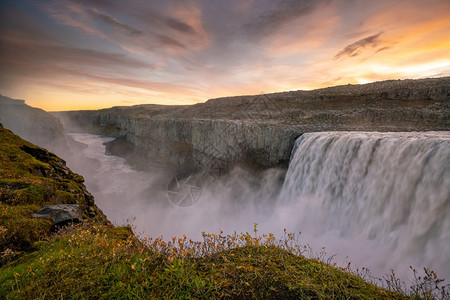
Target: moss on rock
{"x":29,"y":178}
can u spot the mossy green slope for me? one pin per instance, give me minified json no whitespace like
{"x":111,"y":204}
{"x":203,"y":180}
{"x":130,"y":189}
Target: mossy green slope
{"x":29,"y":178}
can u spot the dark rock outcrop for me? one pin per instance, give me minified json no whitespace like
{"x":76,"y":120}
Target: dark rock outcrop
{"x":61,"y":214}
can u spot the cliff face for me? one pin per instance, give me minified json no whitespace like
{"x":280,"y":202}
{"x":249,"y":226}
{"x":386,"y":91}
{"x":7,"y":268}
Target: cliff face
{"x":33,"y":124}
{"x":206,"y":144}
{"x":260,"y":130}
{"x":192,"y":144}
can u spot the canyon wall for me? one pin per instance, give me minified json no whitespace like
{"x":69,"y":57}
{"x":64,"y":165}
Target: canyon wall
{"x":33,"y":124}
{"x":260,"y":130}
{"x":195,"y":144}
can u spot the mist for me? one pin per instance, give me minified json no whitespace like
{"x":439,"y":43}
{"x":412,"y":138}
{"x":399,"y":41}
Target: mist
{"x":277,"y":200}
{"x":232,"y":202}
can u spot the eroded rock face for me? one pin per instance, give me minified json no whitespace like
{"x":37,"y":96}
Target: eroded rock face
{"x":209,"y":144}
{"x":60,"y":214}
{"x":33,"y":124}
{"x":260,"y":130}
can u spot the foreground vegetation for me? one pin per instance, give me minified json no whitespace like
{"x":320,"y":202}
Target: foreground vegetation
{"x":29,"y":178}
{"x":99,"y":261}
{"x":94,"y":259}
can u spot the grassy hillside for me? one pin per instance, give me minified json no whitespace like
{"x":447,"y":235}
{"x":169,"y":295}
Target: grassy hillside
{"x":97,"y":261}
{"x":29,"y":178}
{"x":94,"y":260}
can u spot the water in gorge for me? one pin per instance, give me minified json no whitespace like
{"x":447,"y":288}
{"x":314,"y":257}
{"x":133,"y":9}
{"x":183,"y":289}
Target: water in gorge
{"x":379,"y":200}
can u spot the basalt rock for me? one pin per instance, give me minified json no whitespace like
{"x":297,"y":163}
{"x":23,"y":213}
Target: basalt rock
{"x":61,"y":214}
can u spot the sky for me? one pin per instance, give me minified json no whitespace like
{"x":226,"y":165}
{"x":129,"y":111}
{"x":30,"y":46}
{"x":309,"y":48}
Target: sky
{"x":90,"y":54}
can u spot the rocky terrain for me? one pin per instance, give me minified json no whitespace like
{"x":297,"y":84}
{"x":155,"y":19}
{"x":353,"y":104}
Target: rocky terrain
{"x":260,"y":129}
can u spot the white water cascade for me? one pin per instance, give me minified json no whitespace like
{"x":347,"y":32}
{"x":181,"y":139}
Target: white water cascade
{"x":384,"y":197}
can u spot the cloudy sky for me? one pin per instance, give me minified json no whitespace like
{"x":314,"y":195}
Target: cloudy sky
{"x":84,"y":54}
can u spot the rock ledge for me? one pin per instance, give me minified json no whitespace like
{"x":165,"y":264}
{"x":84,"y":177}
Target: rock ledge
{"x":60,"y":214}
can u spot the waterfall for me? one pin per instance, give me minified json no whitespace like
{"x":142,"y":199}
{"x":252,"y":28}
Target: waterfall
{"x":389,"y":190}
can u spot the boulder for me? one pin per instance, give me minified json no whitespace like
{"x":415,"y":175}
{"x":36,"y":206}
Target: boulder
{"x":60,"y":214}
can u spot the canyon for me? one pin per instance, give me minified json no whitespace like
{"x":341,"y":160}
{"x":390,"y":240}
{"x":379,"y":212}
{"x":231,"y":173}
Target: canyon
{"x":260,"y":130}
{"x":359,"y":169}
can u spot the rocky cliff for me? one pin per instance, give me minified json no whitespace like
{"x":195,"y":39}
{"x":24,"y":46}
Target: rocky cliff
{"x":33,"y":124}
{"x":260,"y":130}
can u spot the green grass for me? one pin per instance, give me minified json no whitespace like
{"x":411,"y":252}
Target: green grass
{"x":18,"y":231}
{"x":98,"y":261}
{"x":32,"y":175}
{"x":29,"y":178}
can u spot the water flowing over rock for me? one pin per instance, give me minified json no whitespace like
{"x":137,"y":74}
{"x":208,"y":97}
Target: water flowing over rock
{"x":391,"y":189}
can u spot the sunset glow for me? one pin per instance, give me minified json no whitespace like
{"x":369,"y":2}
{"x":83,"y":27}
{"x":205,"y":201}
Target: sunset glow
{"x":68,"y":54}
